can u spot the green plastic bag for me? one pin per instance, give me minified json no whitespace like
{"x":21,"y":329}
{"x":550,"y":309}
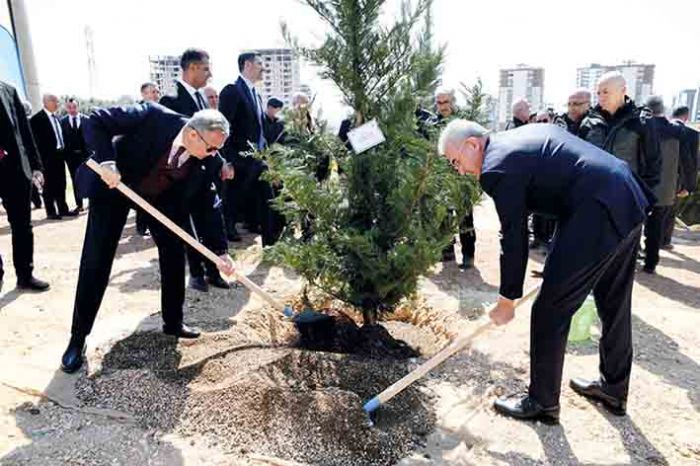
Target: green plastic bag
{"x":582,"y":321}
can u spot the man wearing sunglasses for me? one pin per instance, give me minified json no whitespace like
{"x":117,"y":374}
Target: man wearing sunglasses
{"x":162,"y":156}
{"x":600,"y":205}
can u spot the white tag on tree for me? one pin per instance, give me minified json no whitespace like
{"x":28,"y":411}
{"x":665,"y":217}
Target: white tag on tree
{"x":366,"y":137}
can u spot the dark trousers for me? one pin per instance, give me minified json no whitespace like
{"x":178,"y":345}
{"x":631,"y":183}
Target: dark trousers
{"x":271,"y":221}
{"x":668,"y":226}
{"x":581,"y":261}
{"x":199,"y":265}
{"x":55,"y":184}
{"x":543,"y":228}
{"x":654,"y":232}
{"x":106,"y":220}
{"x":467,"y":236}
{"x":36,"y":197}
{"x":15,"y":191}
{"x":74,"y":161}
{"x":141,"y":221}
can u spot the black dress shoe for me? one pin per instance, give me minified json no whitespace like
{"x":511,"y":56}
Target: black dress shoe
{"x":32,"y":284}
{"x":199,"y":284}
{"x":594,"y":390}
{"x":54,"y":217}
{"x":218,"y":282}
{"x":181,"y":332}
{"x":524,"y":407}
{"x":649,"y":270}
{"x":72,"y":359}
{"x":70,"y":213}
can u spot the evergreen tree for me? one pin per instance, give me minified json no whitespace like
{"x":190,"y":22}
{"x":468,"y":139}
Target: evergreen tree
{"x":382,"y":221}
{"x":476,"y":101}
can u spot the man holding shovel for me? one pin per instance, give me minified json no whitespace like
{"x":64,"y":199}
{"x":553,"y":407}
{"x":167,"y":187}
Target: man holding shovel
{"x":600,"y":206}
{"x":160,"y":155}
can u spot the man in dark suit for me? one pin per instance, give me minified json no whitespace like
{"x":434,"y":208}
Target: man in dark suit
{"x":248,"y":196}
{"x":20,"y":166}
{"x":600,"y":206}
{"x":689,"y":159}
{"x":46,"y":128}
{"x":188,"y":100}
{"x":75,"y":150}
{"x":161,"y":155}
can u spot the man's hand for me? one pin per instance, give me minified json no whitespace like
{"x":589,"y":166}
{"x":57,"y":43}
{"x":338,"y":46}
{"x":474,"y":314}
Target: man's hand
{"x":226,"y":265}
{"x":38,"y":179}
{"x":683,"y":193}
{"x":110,"y":174}
{"x":504,"y":311}
{"x":227,"y":172}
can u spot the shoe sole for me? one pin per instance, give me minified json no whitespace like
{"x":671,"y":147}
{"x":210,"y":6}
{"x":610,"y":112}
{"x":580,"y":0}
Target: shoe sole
{"x":606,"y":404}
{"x":543,"y":418}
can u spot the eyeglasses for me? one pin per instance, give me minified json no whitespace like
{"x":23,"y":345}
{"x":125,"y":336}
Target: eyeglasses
{"x":210,"y":149}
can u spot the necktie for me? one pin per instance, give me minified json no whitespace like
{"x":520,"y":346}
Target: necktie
{"x":57,"y":130}
{"x":261,"y":137}
{"x":73,"y":123}
{"x":200,"y":101}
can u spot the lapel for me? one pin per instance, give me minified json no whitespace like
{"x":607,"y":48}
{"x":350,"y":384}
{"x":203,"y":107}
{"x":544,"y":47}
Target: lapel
{"x":48,"y":127}
{"x":186,"y":98}
{"x":7,"y":106}
{"x":248,"y":96}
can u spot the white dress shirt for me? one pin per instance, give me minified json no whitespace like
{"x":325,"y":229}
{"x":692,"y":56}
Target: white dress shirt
{"x":55,"y":124}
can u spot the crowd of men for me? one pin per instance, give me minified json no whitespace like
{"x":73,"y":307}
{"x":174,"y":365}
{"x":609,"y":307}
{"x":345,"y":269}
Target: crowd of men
{"x":660,"y":148}
{"x":191,"y":156}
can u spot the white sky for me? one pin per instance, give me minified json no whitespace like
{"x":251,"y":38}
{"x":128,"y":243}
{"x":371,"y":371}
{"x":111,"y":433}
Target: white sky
{"x":481,"y":36}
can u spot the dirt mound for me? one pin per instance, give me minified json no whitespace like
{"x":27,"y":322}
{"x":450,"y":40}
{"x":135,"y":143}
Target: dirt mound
{"x":283,"y":402}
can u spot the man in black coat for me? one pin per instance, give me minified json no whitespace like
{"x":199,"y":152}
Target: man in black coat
{"x":161,"y":155}
{"x":620,"y":128}
{"x":600,"y":206}
{"x":48,"y":134}
{"x":20,"y":166}
{"x":75,"y":150}
{"x":274,"y":127}
{"x":521,"y":114}
{"x":247,"y":195}
{"x":189,"y":100}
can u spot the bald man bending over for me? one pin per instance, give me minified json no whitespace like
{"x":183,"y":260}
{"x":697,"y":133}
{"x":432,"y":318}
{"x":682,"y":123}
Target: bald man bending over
{"x":619,"y":127}
{"x":600,"y":207}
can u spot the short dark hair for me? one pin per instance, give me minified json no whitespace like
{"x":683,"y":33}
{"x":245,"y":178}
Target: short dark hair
{"x":191,"y":56}
{"x":680,"y":112}
{"x":274,"y":102}
{"x":72,"y":100}
{"x":244,"y":57}
{"x":145,"y":86}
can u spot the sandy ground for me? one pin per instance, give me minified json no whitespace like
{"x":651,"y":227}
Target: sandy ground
{"x":663,"y":425}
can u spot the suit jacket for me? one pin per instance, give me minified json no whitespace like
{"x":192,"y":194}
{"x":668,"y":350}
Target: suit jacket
{"x":15,"y":134}
{"x":135,"y":137}
{"x":73,"y":137}
{"x":182,"y":102}
{"x":45,"y":138}
{"x":544,"y":169}
{"x":236,"y":103}
{"x":689,"y":157}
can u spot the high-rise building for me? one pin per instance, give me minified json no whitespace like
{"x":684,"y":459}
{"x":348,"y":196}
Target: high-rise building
{"x":639,"y":77}
{"x":691,"y":99}
{"x":521,"y":82}
{"x":281,"y":77}
{"x":165,"y":69}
